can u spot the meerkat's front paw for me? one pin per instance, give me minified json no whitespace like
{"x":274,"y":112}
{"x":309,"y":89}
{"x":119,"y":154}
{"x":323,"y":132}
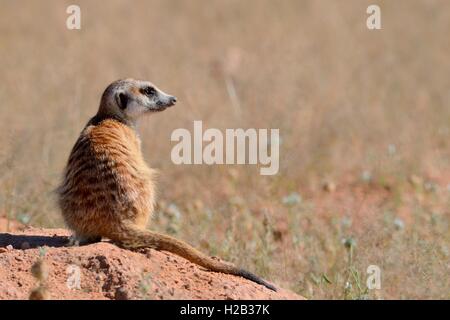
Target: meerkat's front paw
{"x":73,"y":241}
{"x":76,"y":241}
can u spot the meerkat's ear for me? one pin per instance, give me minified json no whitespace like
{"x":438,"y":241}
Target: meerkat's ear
{"x":121,"y":99}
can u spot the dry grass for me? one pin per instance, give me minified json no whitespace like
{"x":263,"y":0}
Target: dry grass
{"x":348,"y":102}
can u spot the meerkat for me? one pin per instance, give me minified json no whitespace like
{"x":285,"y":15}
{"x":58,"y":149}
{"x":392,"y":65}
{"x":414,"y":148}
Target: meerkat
{"x":109,"y":191}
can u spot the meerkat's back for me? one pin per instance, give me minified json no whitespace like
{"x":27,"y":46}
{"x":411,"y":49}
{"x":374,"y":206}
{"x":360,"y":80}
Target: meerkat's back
{"x":106,"y":181}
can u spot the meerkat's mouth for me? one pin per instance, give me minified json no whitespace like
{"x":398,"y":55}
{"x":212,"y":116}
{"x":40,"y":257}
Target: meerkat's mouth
{"x":157,"y":110}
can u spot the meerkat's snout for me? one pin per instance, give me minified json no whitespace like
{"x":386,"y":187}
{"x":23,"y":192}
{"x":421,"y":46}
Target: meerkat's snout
{"x":167,"y":101}
{"x":173,"y":100}
{"x":153,"y":98}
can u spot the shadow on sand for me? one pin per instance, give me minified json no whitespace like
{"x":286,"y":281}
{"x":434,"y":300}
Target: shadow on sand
{"x":29,"y":241}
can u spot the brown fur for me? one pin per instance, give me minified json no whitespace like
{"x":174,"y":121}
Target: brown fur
{"x":108,"y":191}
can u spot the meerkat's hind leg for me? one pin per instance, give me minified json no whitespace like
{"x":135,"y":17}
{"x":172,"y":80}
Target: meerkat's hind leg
{"x":77,"y":240}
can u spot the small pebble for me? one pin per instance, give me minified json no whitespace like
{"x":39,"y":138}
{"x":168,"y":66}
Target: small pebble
{"x":329,"y":186}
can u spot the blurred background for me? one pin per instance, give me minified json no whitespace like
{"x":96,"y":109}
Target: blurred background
{"x":363,"y":116}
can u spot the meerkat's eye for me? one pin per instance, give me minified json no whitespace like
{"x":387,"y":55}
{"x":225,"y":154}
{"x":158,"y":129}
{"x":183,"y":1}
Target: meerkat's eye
{"x":149,"y":91}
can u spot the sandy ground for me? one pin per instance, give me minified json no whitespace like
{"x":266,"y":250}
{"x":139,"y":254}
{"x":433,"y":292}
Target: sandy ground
{"x":109,"y":272}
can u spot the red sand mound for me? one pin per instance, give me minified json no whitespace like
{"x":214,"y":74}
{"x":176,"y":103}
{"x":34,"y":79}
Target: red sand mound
{"x":109,"y":272}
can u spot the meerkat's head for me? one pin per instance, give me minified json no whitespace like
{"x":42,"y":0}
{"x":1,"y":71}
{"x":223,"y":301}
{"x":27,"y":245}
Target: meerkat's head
{"x":129,"y":99}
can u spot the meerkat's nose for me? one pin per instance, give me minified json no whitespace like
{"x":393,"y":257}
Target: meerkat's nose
{"x":173,"y":100}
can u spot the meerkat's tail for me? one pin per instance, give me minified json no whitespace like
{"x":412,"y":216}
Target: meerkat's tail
{"x":134,"y":238}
